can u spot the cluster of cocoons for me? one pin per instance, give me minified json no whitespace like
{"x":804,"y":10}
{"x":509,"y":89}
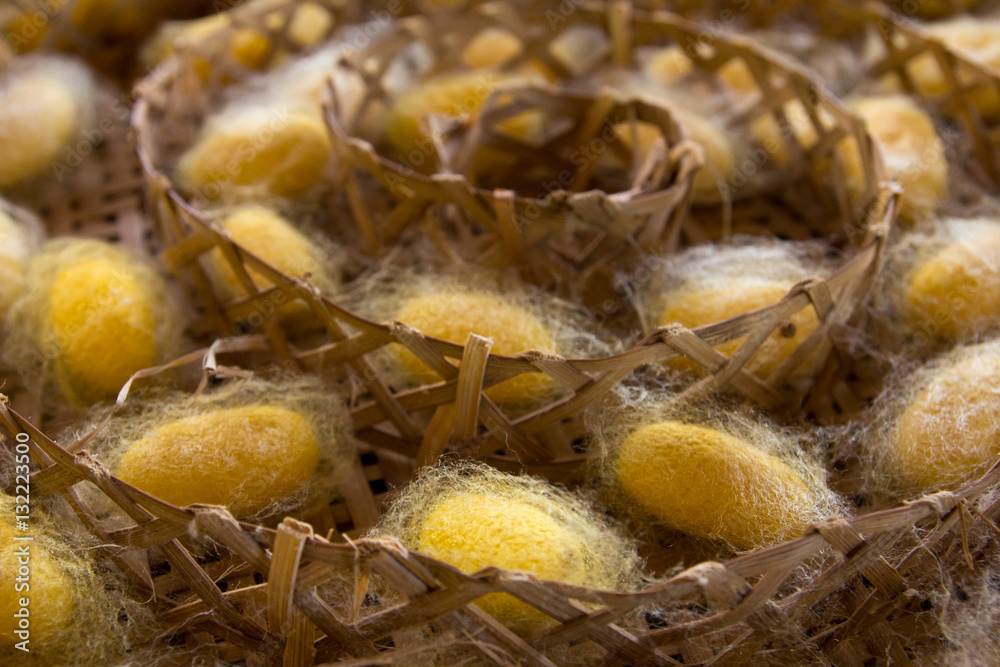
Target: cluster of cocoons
{"x":453,"y":315}
{"x":254,"y":447}
{"x":44,"y":102}
{"x":274,"y":239}
{"x":98,"y":314}
{"x":250,"y":47}
{"x":710,"y":484}
{"x":474,"y":517}
{"x":951,"y":279}
{"x":705,"y":286}
{"x":945,"y":431}
{"x":976,"y":39}
{"x":18,"y":238}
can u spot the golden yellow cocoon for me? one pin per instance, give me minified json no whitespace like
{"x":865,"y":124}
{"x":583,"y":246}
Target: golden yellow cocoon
{"x":711,"y":303}
{"x":947,"y":434}
{"x":52,"y":593}
{"x":275,"y":240}
{"x":977,"y":39}
{"x":710,"y":484}
{"x":458,"y":96}
{"x":102,"y":314}
{"x":452,"y":316}
{"x":13,"y":255}
{"x":913,"y":151}
{"x":769,"y":134}
{"x":476,"y":530}
{"x":38,"y":117}
{"x":718,"y":152}
{"x":258,"y":150}
{"x":245,"y":458}
{"x":958,"y":289}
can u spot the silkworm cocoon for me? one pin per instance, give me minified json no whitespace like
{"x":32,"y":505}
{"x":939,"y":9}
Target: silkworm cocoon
{"x":710,"y":484}
{"x":473,"y":517}
{"x":72,"y":610}
{"x":43,"y":104}
{"x":718,"y":152}
{"x":700,"y":306}
{"x":52,"y":593}
{"x":272,"y":238}
{"x":914,"y":154}
{"x":257,"y":151}
{"x":452,"y":316}
{"x":476,"y":530}
{"x":100,"y":314}
{"x":946,"y":433}
{"x":956,"y":291}
{"x":245,"y":458}
{"x":459,"y":96}
{"x":16,"y":244}
{"x":977,"y":39}
{"x":769,"y":134}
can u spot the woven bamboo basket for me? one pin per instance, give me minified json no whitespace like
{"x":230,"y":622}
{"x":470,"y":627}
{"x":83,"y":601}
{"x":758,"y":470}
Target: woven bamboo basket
{"x":875,"y":597}
{"x":453,"y":414}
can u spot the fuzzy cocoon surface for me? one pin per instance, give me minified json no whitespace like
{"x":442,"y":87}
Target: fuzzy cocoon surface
{"x":951,"y":278}
{"x":913,"y":151}
{"x":274,"y":239}
{"x":72,"y":613}
{"x":44,"y":103}
{"x":455,"y":96}
{"x":709,"y":484}
{"x":947,"y":421}
{"x":95,"y":315}
{"x":243,"y":458}
{"x":473,"y":517}
{"x":452,"y":316}
{"x":256,"y":152}
{"x":255,"y":447}
{"x":710,"y":470}
{"x":710,"y":284}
